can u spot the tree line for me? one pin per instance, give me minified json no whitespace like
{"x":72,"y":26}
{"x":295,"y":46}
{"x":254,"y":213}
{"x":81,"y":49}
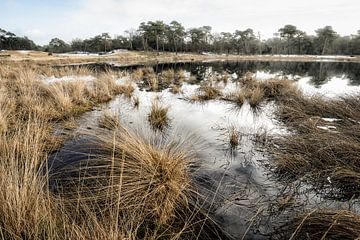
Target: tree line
{"x":10,"y":41}
{"x":174,"y":37}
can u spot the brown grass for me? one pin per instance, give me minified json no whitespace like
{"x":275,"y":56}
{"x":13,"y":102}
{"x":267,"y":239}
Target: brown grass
{"x":175,"y":89}
{"x":126,"y":89}
{"x":207,"y":92}
{"x":137,"y":182}
{"x":158,"y":116}
{"x":323,"y":224}
{"x":109,"y":121}
{"x":326,"y":158}
{"x":168,"y":76}
{"x":234,"y":137}
{"x":256,"y":97}
{"x":132,"y":187}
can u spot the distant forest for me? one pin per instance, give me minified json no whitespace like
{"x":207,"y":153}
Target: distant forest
{"x":174,"y":37}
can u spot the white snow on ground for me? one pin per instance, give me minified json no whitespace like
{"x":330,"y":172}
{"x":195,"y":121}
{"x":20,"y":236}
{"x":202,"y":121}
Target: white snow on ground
{"x":23,"y":51}
{"x":54,"y":79}
{"x":79,"y":54}
{"x":83,"y":54}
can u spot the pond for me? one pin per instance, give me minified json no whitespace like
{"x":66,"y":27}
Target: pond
{"x":236,"y":180}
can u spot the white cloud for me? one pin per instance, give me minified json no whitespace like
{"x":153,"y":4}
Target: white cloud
{"x":92,"y":17}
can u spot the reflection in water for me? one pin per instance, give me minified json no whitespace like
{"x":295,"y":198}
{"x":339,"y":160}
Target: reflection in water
{"x":319,"y":72}
{"x":240,"y":179}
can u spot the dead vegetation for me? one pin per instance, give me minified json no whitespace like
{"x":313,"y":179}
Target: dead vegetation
{"x":140,"y":183}
{"x":256,"y":92}
{"x":207,"y":92}
{"x":157,"y":82}
{"x":323,"y":152}
{"x":158,"y":116}
{"x":323,"y":224}
{"x":234,"y":137}
{"x":109,"y":121}
{"x":131,"y":187}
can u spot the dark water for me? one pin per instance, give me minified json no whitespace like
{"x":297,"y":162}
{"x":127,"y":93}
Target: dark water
{"x":319,"y":72}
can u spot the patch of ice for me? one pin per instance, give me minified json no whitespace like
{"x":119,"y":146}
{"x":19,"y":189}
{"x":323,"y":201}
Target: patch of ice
{"x":77,"y":54}
{"x":23,"y":51}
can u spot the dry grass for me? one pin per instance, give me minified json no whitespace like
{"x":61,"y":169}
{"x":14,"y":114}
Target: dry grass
{"x":109,"y":121}
{"x":158,"y":116}
{"x":207,"y":92}
{"x":179,"y":76}
{"x":148,"y":76}
{"x":126,"y":89}
{"x":323,"y":224}
{"x":175,"y":89}
{"x":132,"y":187}
{"x":256,"y":97}
{"x":238,"y":98}
{"x":234,"y":137}
{"x":138,"y":182}
{"x":168,"y":76}
{"x":326,"y":157}
{"x":257,"y":92}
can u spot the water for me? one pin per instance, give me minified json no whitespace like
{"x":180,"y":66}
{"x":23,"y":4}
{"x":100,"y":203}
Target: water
{"x":238,"y":176}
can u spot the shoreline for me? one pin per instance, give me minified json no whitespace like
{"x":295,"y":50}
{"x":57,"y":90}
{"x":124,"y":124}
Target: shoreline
{"x":129,"y":58}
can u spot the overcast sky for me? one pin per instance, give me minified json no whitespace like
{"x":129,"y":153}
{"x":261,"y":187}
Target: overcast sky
{"x":42,"y":20}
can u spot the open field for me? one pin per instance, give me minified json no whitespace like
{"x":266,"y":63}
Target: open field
{"x":175,"y":153}
{"x":126,"y":58}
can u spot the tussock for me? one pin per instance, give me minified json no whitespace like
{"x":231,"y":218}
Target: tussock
{"x":109,"y":121}
{"x":126,"y":89}
{"x":207,"y":92}
{"x":138,"y":181}
{"x":158,"y":116}
{"x":234,"y":137}
{"x":323,"y":224}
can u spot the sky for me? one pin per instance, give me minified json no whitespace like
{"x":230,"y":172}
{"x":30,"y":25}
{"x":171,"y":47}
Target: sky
{"x":68,"y":19}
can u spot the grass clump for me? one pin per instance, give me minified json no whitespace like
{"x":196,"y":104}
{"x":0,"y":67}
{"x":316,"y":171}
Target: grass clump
{"x":126,"y":89}
{"x":109,"y":121}
{"x":138,"y":182}
{"x":256,"y":97}
{"x":207,"y":92}
{"x":323,"y":224}
{"x":158,"y":116}
{"x":322,"y":153}
{"x":168,"y":76}
{"x":234,"y":137}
